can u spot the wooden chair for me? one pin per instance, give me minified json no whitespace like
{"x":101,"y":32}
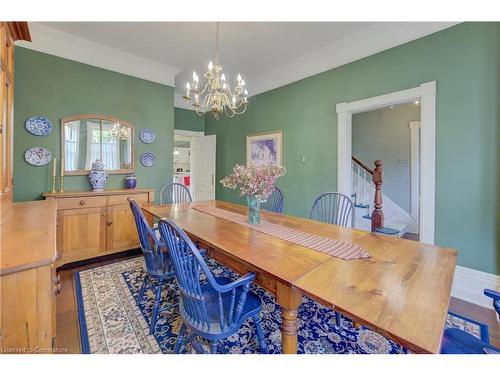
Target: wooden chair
{"x":175,"y":193}
{"x":275,"y":202}
{"x":333,"y":208}
{"x":456,"y":341}
{"x":157,"y":263}
{"x":215,"y":309}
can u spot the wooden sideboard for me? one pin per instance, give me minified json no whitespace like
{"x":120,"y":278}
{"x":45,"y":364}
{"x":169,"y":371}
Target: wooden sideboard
{"x":92,"y":224}
{"x":9,"y":33}
{"x":28,"y":282}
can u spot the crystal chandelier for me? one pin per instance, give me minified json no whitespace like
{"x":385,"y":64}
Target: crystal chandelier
{"x":216,"y":96}
{"x":120,"y":132}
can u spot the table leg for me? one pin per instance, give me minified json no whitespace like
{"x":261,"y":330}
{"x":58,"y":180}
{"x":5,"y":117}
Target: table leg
{"x":289,"y":300}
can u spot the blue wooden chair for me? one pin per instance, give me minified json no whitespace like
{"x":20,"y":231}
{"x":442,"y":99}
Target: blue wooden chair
{"x":456,"y":341}
{"x":215,"y":309}
{"x":333,"y":208}
{"x":175,"y":193}
{"x":275,"y":202}
{"x":157,"y":263}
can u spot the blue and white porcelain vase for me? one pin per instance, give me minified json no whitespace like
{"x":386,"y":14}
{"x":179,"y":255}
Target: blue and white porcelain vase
{"x":131,"y":181}
{"x":98,"y":176}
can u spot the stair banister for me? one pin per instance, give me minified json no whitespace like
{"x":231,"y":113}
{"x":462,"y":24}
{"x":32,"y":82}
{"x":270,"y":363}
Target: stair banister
{"x":377,"y":214}
{"x":377,"y":217}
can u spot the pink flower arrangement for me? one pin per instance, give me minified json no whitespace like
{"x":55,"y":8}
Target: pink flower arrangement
{"x":254,"y":181}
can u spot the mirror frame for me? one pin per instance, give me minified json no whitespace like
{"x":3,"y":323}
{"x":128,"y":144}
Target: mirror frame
{"x":93,"y":116}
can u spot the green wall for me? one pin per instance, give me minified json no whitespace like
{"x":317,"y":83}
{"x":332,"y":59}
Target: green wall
{"x":185,"y":119}
{"x":54,"y":87}
{"x":464,"y":60}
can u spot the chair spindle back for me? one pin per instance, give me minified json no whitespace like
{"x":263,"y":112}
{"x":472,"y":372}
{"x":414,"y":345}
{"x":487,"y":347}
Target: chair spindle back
{"x":175,"y":193}
{"x":275,"y":202}
{"x":333,"y":208}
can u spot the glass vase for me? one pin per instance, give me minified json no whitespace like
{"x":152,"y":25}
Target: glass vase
{"x":253,"y":210}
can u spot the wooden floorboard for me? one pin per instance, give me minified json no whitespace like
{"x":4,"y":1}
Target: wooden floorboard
{"x":68,"y":335}
{"x":67,"y":327}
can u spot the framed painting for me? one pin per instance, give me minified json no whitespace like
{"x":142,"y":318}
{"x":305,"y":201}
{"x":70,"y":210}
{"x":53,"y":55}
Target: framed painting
{"x":264,"y":148}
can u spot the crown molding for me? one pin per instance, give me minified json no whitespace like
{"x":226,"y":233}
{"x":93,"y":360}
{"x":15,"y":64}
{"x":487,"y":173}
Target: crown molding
{"x":367,"y":42}
{"x":54,"y":42}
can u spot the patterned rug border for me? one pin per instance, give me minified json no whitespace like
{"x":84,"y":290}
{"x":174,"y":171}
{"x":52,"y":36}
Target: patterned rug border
{"x":485,"y":334}
{"x":82,"y":323}
{"x":83,"y":328}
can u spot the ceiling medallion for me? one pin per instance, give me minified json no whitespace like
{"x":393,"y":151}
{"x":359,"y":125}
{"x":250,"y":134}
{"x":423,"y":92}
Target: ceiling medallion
{"x":216,"y":96}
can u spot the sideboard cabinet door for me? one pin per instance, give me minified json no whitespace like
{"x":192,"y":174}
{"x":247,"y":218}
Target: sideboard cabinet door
{"x":81,"y":233}
{"x":121,"y":231}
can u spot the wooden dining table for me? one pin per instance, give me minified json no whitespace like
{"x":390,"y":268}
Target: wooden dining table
{"x":401,"y":291}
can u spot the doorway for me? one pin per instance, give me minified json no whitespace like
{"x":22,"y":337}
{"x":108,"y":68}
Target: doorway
{"x":390,"y":134}
{"x":194,"y":163}
{"x":426,"y":95}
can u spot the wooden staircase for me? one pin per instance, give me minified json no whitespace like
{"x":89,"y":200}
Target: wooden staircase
{"x":367,"y":183}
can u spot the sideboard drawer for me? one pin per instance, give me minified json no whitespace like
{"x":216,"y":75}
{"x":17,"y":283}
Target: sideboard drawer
{"x":122,"y":199}
{"x":83,"y":202}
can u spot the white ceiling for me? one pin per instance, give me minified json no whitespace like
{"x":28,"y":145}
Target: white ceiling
{"x":267,"y":54}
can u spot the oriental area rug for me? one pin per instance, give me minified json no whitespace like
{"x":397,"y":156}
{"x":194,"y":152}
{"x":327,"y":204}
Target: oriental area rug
{"x":111,"y":322}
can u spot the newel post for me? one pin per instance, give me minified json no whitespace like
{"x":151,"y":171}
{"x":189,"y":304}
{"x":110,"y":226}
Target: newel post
{"x":377,"y":214}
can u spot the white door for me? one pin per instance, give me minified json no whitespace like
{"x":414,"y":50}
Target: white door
{"x":204,"y":168}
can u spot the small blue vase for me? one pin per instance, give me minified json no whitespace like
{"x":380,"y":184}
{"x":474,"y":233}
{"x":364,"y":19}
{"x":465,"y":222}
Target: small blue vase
{"x":253,"y":210}
{"x":131,"y":181}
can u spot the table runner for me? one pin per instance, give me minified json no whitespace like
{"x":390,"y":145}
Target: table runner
{"x":335,"y":248}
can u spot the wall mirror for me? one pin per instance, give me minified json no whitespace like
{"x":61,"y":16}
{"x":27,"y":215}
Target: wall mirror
{"x":86,"y":138}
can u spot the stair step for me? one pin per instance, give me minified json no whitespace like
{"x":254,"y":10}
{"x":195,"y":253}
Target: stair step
{"x":361,"y":205}
{"x":387,"y":231}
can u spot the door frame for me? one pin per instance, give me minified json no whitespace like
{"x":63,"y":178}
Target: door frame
{"x":426,"y":94}
{"x":192,"y":164}
{"x":414,"y":127}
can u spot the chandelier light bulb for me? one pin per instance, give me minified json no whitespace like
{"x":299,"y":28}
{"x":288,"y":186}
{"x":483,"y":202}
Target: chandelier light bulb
{"x":210,"y":66}
{"x":238,"y":78}
{"x":224,"y":85}
{"x":242,"y":82}
{"x":246,"y":92}
{"x":195,"y":77}
{"x":234,"y":101}
{"x":223,"y":77}
{"x":188,"y":86}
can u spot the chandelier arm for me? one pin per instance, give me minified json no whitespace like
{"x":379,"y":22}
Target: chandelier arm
{"x":204,"y":88}
{"x":229,"y":114}
{"x":240,"y":113}
{"x":206,"y":101}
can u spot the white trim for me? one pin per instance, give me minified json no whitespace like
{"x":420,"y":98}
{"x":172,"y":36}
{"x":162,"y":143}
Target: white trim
{"x":426,"y":93}
{"x":58,"y":43}
{"x":468,"y":285}
{"x":414,"y":170}
{"x":188,"y":133}
{"x":366,"y":42}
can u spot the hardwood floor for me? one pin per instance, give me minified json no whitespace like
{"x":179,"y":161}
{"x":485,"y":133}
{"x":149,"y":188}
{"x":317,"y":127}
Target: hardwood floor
{"x":67,"y":329}
{"x":68,"y":335}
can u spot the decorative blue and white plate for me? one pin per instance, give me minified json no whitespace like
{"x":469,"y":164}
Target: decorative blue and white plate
{"x":148,"y":159}
{"x":38,"y":125}
{"x":147,"y":135}
{"x":38,"y":156}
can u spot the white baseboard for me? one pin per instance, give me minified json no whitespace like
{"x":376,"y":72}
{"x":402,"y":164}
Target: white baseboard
{"x":468,"y":285}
